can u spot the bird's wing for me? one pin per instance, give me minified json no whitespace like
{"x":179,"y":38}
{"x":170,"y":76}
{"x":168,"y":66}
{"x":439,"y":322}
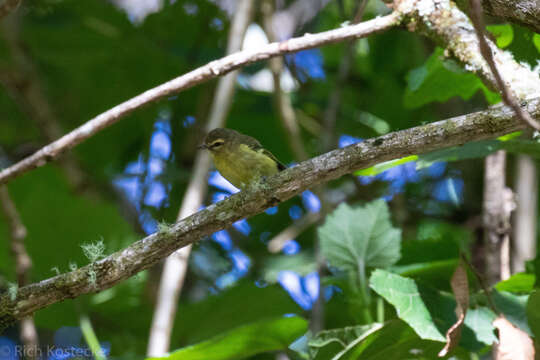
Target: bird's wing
{"x":280,"y":166}
{"x":256,"y":146}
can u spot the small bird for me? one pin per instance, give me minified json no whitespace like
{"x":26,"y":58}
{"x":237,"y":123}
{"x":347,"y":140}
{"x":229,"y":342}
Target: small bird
{"x":240,"y":158}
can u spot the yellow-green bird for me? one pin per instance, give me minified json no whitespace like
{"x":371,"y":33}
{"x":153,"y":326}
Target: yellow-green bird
{"x":240,"y":158}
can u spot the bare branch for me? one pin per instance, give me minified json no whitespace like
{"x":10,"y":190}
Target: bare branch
{"x":282,"y":100}
{"x":277,"y":243}
{"x":204,"y":73}
{"x":8,"y":6}
{"x":18,"y":232}
{"x":23,"y":264}
{"x":508,"y":97}
{"x":328,"y":138}
{"x":144,"y":253}
{"x":175,"y":267}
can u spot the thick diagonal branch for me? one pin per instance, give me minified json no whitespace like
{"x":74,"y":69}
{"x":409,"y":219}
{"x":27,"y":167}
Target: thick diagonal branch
{"x":204,"y":73}
{"x":148,"y":251}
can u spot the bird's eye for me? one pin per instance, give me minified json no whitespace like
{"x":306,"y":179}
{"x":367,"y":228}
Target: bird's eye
{"x":216,"y":144}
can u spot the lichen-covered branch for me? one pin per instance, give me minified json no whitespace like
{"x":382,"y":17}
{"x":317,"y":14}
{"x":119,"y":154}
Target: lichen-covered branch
{"x":521,"y":12}
{"x":204,"y":73}
{"x":446,"y":24}
{"x":146,"y":252}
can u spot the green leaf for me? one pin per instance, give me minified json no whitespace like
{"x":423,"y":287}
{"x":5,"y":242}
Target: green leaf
{"x":503,"y":33}
{"x":468,"y":151}
{"x":243,"y":303}
{"x":354,"y":237}
{"x":404,"y":294}
{"x":536,"y":41}
{"x":520,"y":282}
{"x":345,"y":338}
{"x":533,"y":313}
{"x":440,"y":79}
{"x":480,"y":322}
{"x":245,"y":341}
{"x":513,"y":307}
{"x":522,"y":146}
{"x":396,"y":340}
{"x":379,"y":168}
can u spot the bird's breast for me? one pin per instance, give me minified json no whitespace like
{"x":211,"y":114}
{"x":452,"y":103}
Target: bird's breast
{"x":243,"y":165}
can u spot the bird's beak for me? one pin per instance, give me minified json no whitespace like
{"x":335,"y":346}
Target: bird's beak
{"x":202,"y":146}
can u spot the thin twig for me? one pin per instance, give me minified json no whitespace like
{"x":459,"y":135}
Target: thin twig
{"x":485,"y":49}
{"x":23,"y":264}
{"x":8,"y":6}
{"x":282,"y":100}
{"x":144,"y":253}
{"x":328,"y":138}
{"x":277,"y":243}
{"x":175,"y":267}
{"x":204,"y":73}
{"x":482,"y":283}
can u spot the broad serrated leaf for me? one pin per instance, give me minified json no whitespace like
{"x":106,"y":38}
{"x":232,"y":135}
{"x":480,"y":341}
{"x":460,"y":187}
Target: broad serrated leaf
{"x":245,"y":341}
{"x":354,"y":237}
{"x":404,"y":294}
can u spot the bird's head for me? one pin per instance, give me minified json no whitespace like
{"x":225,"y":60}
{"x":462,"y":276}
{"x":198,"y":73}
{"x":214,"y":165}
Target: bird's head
{"x":219,"y":139}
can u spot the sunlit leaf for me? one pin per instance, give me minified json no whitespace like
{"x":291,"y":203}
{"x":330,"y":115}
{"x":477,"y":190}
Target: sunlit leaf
{"x":503,"y":33}
{"x":517,"y":283}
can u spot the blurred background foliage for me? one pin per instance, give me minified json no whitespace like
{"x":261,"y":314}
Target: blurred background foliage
{"x":91,"y":55}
